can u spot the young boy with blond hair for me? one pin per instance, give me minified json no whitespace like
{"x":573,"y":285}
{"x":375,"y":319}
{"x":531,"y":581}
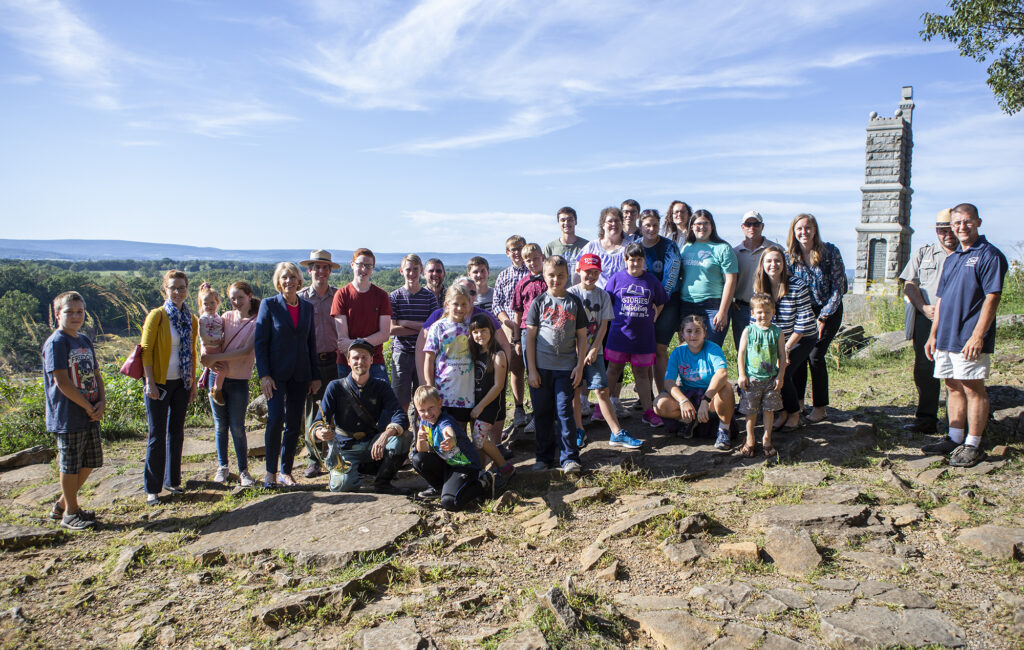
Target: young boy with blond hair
{"x":761,"y":359}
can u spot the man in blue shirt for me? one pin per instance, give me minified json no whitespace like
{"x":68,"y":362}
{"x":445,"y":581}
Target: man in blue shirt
{"x":963,"y":334}
{"x":359,"y":406}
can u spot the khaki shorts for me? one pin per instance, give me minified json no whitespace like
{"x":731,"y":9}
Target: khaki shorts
{"x":761,"y":396}
{"x":952,"y":365}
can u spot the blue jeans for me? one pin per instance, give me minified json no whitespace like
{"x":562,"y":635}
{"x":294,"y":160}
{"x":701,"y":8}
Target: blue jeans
{"x":708,"y":309}
{"x":554,"y":398}
{"x":231,"y":416}
{"x":357,"y":452}
{"x":166,"y":418}
{"x":377,"y":370}
{"x":284,"y":410}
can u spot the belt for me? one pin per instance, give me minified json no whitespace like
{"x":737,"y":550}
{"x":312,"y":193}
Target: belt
{"x":328,"y":356}
{"x":357,"y":435}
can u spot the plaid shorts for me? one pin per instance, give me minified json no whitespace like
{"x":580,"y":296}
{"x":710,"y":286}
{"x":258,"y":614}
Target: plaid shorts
{"x":80,"y":449}
{"x":761,"y":396}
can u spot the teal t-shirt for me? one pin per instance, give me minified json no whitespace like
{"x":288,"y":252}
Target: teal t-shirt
{"x":763,"y":351}
{"x":705,"y":265}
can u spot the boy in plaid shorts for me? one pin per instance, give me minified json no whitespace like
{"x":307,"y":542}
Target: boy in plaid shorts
{"x":761,"y":358}
{"x":75,"y":399}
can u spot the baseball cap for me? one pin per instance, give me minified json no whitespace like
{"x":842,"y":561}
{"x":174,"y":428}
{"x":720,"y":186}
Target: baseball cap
{"x":589,"y":261}
{"x":362,"y":344}
{"x":752,"y":214}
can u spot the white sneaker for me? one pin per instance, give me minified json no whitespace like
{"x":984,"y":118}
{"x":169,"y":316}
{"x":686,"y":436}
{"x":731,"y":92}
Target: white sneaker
{"x":245,"y":480}
{"x":222,"y":475}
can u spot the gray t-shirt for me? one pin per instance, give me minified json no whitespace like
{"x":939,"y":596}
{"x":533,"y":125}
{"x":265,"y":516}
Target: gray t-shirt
{"x":571,"y":252}
{"x":748,"y":261}
{"x":557,"y":320}
{"x":598,"y":306}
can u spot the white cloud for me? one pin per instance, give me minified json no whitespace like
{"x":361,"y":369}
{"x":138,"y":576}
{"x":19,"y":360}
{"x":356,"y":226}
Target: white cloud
{"x":229,"y":119}
{"x":469,"y":231}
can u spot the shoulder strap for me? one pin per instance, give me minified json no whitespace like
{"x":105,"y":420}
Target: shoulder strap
{"x":361,"y":411}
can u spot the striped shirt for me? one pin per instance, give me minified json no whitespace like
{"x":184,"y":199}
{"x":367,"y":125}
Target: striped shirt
{"x":793,"y":311}
{"x":410,"y":306}
{"x":505,"y":286}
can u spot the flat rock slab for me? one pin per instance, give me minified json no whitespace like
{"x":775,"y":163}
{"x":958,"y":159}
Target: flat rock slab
{"x":727,"y":598}
{"x":322,"y":527}
{"x":921,"y":464}
{"x":31,"y":456}
{"x":29,"y":474}
{"x":116,"y":486}
{"x":792,"y":551}
{"x":951,"y":513}
{"x":530,"y":639}
{"x":834,"y":441}
{"x":639,"y":519}
{"x":811,"y":516}
{"x":676,"y":630}
{"x":875,"y":561}
{"x":836,"y":495}
{"x":198,"y":447}
{"x":929,"y":476}
{"x":14,"y":537}
{"x":906,"y":514}
{"x":869,"y":626}
{"x":790,"y":476}
{"x":995,"y":541}
{"x":394,"y":635}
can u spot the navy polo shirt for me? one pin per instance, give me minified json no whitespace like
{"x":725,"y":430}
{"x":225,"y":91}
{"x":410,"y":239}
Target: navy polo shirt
{"x":967,"y":277}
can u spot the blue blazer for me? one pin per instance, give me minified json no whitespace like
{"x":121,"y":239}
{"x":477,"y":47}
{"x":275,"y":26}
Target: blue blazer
{"x":285,"y":352}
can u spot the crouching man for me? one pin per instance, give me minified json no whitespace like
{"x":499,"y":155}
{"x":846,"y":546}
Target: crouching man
{"x":355,"y":409}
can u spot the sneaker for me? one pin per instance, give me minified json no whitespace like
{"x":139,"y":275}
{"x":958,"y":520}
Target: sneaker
{"x":75,"y":522}
{"x":651,"y":419}
{"x":270,"y":481}
{"x":597,"y":415}
{"x":519,"y":417}
{"x":571,"y":468}
{"x":429,"y":493}
{"x":285,"y":480}
{"x":312,"y":470}
{"x":175,"y":489}
{"x":623,"y":439}
{"x":222,"y":475}
{"x":245,"y":479}
{"x":944,"y":446}
{"x":531,"y":426}
{"x":581,"y":438}
{"x":723,"y":442}
{"x":687,"y":429}
{"x":540,"y":466}
{"x":508,"y":470}
{"x":57,"y":512}
{"x":152,"y":500}
{"x":966,"y":456}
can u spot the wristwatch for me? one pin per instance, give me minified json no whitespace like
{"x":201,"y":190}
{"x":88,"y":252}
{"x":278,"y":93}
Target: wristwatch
{"x":707,"y":399}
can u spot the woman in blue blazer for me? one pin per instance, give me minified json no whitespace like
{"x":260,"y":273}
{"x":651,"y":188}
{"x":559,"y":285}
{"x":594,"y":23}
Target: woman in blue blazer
{"x":285,"y":344}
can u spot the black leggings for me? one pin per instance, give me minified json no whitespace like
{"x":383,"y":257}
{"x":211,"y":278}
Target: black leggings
{"x":817,"y":362}
{"x":797,"y":359}
{"x":458,"y":487}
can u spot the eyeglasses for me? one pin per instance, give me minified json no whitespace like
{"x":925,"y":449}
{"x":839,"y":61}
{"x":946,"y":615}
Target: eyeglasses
{"x":364,"y":265}
{"x":752,"y":224}
{"x":943,"y":230}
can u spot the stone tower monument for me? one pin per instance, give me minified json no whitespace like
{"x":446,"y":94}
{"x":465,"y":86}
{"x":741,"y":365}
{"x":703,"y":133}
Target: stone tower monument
{"x":883,"y":236}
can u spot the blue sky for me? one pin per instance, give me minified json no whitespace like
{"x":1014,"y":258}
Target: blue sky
{"x":447,"y":125}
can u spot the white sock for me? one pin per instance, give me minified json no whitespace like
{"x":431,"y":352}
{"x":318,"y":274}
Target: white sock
{"x":956,"y":435}
{"x":973,"y":441}
{"x":723,"y":429}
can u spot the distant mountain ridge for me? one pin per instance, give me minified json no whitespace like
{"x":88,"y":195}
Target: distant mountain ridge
{"x":80,"y":250}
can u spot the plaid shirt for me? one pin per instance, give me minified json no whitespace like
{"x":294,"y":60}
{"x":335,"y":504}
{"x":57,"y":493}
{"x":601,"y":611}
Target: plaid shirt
{"x":504,"y":288}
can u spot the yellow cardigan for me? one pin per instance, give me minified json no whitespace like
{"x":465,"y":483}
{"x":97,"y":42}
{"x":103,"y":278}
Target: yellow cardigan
{"x":156,"y":343}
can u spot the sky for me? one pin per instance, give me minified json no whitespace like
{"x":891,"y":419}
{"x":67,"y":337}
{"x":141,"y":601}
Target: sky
{"x":447,"y":125}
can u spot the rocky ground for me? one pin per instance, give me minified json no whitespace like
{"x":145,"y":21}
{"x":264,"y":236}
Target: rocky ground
{"x":851,"y":538}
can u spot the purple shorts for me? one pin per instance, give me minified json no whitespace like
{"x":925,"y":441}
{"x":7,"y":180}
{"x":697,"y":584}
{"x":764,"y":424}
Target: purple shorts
{"x":635,"y":360}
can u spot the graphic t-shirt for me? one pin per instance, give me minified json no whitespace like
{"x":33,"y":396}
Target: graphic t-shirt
{"x":76,"y":355}
{"x":633,"y":302}
{"x":705,"y":265}
{"x":485,"y":299}
{"x":655,"y":256}
{"x":363,"y":311}
{"x":763,"y":351}
{"x":453,"y":364}
{"x":691,"y":370}
{"x":556,"y":320}
{"x":597,"y":305}
{"x":463,"y":454}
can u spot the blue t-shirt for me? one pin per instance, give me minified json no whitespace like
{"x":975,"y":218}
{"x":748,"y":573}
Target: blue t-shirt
{"x":705,"y":266}
{"x":76,"y":355}
{"x":967,"y":277}
{"x":633,"y":303}
{"x":691,"y":370}
{"x":463,"y":454}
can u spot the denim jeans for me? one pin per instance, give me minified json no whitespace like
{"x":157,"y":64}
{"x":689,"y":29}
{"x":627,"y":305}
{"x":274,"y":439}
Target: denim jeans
{"x":356,"y":453}
{"x":553,"y":417}
{"x":166,"y":418}
{"x":708,"y":309}
{"x":328,"y":373}
{"x":284,"y":411}
{"x":231,"y":417}
{"x":458,"y":487}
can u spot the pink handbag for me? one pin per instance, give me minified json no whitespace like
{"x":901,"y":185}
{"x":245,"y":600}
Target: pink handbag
{"x":133,"y":364}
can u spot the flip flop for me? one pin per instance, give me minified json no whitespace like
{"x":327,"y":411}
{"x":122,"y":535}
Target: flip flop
{"x":748,"y":450}
{"x":819,"y":420}
{"x":769,"y":451}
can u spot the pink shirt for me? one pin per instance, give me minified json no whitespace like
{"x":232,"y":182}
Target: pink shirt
{"x":239,"y":333}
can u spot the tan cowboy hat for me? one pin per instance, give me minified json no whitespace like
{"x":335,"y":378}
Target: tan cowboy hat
{"x":320,"y":255}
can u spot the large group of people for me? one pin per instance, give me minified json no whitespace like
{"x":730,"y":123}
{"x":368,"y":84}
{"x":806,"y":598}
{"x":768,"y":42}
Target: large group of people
{"x":562,"y":320}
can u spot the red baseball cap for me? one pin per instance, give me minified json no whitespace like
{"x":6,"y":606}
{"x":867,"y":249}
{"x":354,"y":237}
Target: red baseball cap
{"x":589,"y":261}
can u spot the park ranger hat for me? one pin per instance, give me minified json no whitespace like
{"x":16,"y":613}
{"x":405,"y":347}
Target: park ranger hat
{"x":943,"y":219}
{"x":320,"y":255}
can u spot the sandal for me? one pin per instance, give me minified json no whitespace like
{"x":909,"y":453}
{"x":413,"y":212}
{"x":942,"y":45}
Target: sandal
{"x":769,"y":450}
{"x":811,"y":420}
{"x":747,"y":451}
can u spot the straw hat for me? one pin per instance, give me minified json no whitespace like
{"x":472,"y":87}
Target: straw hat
{"x":321,"y":255}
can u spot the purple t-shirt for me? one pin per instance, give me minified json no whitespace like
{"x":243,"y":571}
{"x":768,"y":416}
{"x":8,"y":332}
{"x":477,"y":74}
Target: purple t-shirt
{"x":436,"y":316}
{"x":633,"y":302}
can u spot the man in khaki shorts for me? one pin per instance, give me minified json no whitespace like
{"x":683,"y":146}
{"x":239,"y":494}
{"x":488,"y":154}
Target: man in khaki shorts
{"x":963,"y":335}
